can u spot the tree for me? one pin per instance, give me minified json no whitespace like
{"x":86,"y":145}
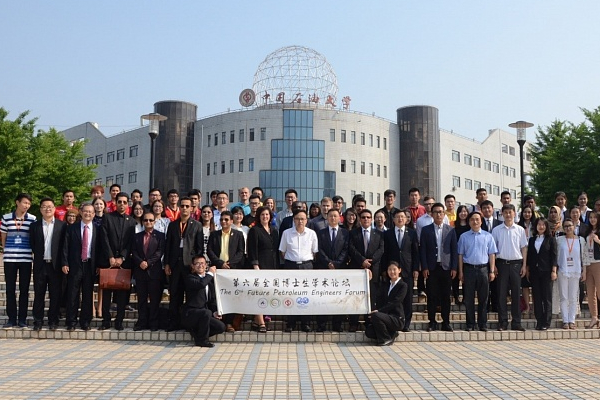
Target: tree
{"x":42,"y":164}
{"x":565,"y":158}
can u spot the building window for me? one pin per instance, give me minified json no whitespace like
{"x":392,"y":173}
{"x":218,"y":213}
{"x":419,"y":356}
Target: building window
{"x":109,"y":181}
{"x":352,"y":194}
{"x":455,"y":181}
{"x":528,"y":156}
{"x":241,"y":135}
{"x":477,"y":162}
{"x":343,"y":136}
{"x":231,"y":164}
{"x":99,"y":160}
{"x":224,"y":137}
{"x":332,"y":135}
{"x":496,"y":190}
{"x":209,"y":138}
{"x":468,"y":184}
{"x":251,"y":164}
{"x":98,"y":181}
{"x":343,"y":166}
{"x":504,"y":148}
{"x":487,"y":165}
{"x":455,"y":155}
{"x":467,"y":159}
{"x":385,"y":171}
{"x":353,"y":137}
{"x":378,"y":199}
{"x":505,"y":170}
{"x":362,"y":138}
{"x":133,"y":177}
{"x":370,"y":197}
{"x":476,"y":185}
{"x":378,"y":170}
{"x":222,"y":167}
{"x":232,"y":137}
{"x":385,"y":143}
{"x":119,"y":179}
{"x":513,"y":173}
{"x":215,"y":168}
{"x":208,"y":169}
{"x":216,"y":139}
{"x":513,"y":193}
{"x":362,"y":167}
{"x":251,"y":133}
{"x":353,"y":166}
{"x":110,"y":157}
{"x":495,"y":168}
{"x":263,"y":133}
{"x":371,"y":142}
{"x":371,"y":169}
{"x":231,"y":196}
{"x":120,"y":154}
{"x":241,"y":165}
{"x":511,"y":150}
{"x":378,"y":142}
{"x":488,"y":188}
{"x":90,"y":160}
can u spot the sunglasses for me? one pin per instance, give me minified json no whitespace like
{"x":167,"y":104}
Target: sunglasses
{"x":148,"y":220}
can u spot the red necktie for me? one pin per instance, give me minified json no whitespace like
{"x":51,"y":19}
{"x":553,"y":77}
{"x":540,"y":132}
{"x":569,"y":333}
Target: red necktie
{"x":84,"y":245}
{"x":146,"y":241}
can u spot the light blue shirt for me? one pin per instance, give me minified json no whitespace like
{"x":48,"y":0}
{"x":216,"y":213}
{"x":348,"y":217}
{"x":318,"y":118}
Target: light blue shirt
{"x":476,"y":247}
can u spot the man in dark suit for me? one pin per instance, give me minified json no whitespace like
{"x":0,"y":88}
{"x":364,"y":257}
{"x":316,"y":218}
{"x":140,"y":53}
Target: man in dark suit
{"x":118,"y":230}
{"x":200,"y":315}
{"x":184,"y":241}
{"x":402,"y":246}
{"x":365,"y":249}
{"x":45,"y":238}
{"x":333,"y":253}
{"x":488,"y":223}
{"x":439,"y":262}
{"x":388,"y":318}
{"x":79,"y":252}
{"x":148,"y":249}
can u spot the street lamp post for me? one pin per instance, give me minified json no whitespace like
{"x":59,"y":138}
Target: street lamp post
{"x":521,"y":139}
{"x":154,"y":119}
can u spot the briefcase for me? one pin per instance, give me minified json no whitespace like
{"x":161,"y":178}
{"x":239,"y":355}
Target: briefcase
{"x":115,"y":279}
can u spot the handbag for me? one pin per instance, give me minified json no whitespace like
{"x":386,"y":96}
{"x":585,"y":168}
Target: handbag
{"x":115,"y":279}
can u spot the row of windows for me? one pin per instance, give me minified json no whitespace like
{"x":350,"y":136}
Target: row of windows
{"x":344,"y":168}
{"x":110,"y":156}
{"x":118,"y":179}
{"x":373,"y":141}
{"x":370,"y":198}
{"x":487,"y":165}
{"x":231,"y":166}
{"x":470,"y":184}
{"x":241,"y":137}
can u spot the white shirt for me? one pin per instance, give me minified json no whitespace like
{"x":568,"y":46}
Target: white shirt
{"x":48,"y":229}
{"x":90,"y":232}
{"x":509,"y":240}
{"x":425,"y":220}
{"x":299,"y":246}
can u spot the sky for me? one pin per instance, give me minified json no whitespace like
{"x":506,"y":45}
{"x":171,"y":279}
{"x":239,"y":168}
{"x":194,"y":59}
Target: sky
{"x":483,"y":64}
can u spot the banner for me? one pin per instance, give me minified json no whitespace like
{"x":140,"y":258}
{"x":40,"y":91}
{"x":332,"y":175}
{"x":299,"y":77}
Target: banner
{"x":292,"y":292}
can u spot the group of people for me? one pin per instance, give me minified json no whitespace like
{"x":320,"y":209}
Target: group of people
{"x":181,"y":244}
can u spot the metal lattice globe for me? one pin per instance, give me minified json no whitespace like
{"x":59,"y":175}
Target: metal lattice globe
{"x":301,"y":74}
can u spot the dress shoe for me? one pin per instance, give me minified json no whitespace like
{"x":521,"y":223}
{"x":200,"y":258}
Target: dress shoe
{"x":172,"y":328}
{"x":22,"y":324}
{"x":306,"y":328}
{"x":37,"y":327}
{"x":288,"y":329}
{"x":388,"y":342}
{"x":447,"y":328}
{"x":320,"y":328}
{"x":103,"y":327}
{"x":483,"y":329}
{"x":119,"y":327}
{"x":405,"y":330}
{"x":502,"y":327}
{"x":52,"y":327}
{"x":9,"y":324}
{"x":338,"y":329}
{"x":85,"y":327}
{"x":205,"y":343}
{"x":153,"y":329}
{"x":469,"y":329}
{"x":353,"y":328}
{"x":517,"y":328}
{"x":395,"y":335}
{"x":139,"y":328}
{"x":431,"y":327}
{"x":70,"y":328}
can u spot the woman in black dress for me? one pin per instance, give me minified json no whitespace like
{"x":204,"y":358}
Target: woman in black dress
{"x":262,"y":248}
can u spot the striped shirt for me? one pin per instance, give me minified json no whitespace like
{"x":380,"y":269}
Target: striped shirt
{"x":17,"y":248}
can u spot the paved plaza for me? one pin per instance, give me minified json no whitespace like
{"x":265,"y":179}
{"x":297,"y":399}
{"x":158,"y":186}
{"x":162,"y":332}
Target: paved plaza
{"x":95,"y":369}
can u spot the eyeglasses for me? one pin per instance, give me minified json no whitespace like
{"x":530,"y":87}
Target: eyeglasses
{"x":185,"y":206}
{"x":148,"y":220}
{"x":365,"y":217}
{"x":437,"y":212}
{"x":568,"y":226}
{"x":428,"y":204}
{"x":122,"y":202}
{"x":47,"y":207}
{"x":225,"y":219}
{"x":199,"y":263}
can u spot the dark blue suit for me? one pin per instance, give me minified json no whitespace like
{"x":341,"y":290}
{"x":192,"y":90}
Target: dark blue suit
{"x":389,"y":317}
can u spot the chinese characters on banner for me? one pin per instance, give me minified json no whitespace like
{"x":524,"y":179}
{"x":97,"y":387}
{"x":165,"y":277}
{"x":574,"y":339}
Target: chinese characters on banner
{"x":291,"y":292}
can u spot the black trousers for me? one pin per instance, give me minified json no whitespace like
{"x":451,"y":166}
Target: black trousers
{"x":46,"y":278}
{"x":119,"y":297}
{"x":176,"y":293}
{"x":509,"y":277}
{"x":11,"y":269}
{"x":148,"y":290}
{"x":439,"y":283}
{"x":201,"y":323}
{"x":80,"y":281}
{"x":476,"y":280}
{"x":383,"y":326}
{"x":541,"y":287}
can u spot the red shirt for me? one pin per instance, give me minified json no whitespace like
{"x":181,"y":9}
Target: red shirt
{"x":416,"y":212}
{"x":172,"y":215}
{"x":61,"y":211}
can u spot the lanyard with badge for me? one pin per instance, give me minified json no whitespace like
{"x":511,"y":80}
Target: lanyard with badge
{"x":182,"y":227}
{"x":570,"y":262}
{"x":18,"y":225}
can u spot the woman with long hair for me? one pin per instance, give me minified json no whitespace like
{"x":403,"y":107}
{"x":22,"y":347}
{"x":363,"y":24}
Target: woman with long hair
{"x":461,"y":225}
{"x":263,"y":245}
{"x":527,"y":221}
{"x":314,"y":210}
{"x":208,"y":225}
{"x":99,"y":206}
{"x":350,"y":219}
{"x":137,"y":212}
{"x":161,"y":222}
{"x":270,"y":203}
{"x":592,"y":281}
{"x":541,"y":262}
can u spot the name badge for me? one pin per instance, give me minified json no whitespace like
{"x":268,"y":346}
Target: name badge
{"x":18,"y":240}
{"x":181,"y":243}
{"x":570,"y":262}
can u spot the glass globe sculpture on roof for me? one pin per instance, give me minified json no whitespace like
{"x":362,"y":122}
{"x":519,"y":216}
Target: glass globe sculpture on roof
{"x":295,"y":74}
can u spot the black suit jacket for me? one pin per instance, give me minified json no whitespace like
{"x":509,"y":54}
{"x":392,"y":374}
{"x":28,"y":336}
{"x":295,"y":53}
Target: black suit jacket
{"x":429,"y":250}
{"x":235,"y":251}
{"x":117,"y":237}
{"x":263,"y":247}
{"x":195,"y":289}
{"x":358,"y":254}
{"x":36,"y":241}
{"x":392,"y":303}
{"x":193,"y":242}
{"x":584,"y":230}
{"x":407,"y":255}
{"x":286,"y":223}
{"x":545,"y":258}
{"x":156,"y":249}
{"x":337,"y":252}
{"x":495,"y":223}
{"x":71,"y":249}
